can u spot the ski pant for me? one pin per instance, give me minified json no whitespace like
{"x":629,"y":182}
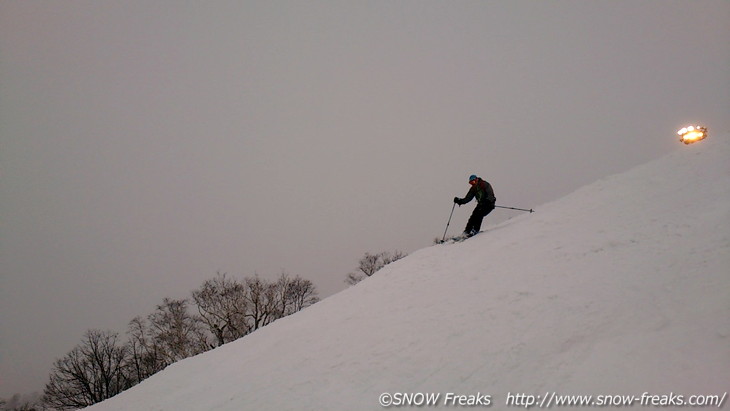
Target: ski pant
{"x":480,"y":211}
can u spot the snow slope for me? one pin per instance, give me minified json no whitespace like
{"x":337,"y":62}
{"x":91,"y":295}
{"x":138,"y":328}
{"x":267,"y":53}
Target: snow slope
{"x":621,"y":287}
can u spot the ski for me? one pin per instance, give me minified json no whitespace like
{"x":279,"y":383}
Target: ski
{"x":453,"y":239}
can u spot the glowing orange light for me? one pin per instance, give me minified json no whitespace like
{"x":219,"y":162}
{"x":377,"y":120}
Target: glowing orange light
{"x":692,"y":134}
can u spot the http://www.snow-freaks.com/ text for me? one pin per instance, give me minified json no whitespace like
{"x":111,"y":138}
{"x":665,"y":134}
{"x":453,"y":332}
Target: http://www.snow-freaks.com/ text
{"x":548,"y":400}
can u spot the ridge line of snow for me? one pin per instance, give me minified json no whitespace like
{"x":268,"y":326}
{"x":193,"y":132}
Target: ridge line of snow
{"x":617,"y":288}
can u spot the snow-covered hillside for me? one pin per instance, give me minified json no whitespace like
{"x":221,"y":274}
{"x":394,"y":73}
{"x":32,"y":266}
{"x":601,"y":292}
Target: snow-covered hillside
{"x":622,"y":287}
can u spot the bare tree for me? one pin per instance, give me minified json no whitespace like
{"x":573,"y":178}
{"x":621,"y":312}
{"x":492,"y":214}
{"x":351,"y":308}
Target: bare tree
{"x":231,"y":309}
{"x":177,"y":333}
{"x":23,"y":402}
{"x":369,"y":264}
{"x":92,"y":372}
{"x":100,"y":367}
{"x":295,"y":294}
{"x":262,"y":304}
{"x":222,"y":307}
{"x":146,"y":354}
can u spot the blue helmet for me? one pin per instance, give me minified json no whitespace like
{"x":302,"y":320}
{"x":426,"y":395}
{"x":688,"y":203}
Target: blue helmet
{"x":473,"y":177}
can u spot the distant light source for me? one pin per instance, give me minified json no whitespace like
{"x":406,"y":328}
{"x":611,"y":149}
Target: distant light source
{"x":692,"y":134}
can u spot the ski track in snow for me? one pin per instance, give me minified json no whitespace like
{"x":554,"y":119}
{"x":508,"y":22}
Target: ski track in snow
{"x":621,"y":287}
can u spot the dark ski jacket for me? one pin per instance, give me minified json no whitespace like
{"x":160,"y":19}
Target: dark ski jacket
{"x":482,"y":190}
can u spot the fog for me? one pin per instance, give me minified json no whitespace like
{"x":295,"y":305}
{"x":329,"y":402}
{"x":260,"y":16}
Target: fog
{"x":145,"y":146}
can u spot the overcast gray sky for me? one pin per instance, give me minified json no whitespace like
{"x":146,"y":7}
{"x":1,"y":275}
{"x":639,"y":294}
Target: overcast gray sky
{"x":146,"y":145}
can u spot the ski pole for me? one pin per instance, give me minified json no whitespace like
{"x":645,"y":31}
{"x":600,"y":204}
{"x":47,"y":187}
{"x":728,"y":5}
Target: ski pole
{"x":447,"y":224}
{"x":513,"y":208}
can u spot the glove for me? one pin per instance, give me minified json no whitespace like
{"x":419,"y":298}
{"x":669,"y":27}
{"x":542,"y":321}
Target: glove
{"x":457,"y":200}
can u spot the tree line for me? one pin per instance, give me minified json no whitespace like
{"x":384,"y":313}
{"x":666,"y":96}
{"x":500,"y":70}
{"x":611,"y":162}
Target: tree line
{"x":222,"y":310}
{"x":370,"y":264}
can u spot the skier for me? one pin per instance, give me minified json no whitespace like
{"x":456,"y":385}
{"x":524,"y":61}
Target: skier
{"x":482,"y":190}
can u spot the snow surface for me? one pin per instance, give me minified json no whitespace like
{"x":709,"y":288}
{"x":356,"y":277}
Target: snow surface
{"x":621,"y":287}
